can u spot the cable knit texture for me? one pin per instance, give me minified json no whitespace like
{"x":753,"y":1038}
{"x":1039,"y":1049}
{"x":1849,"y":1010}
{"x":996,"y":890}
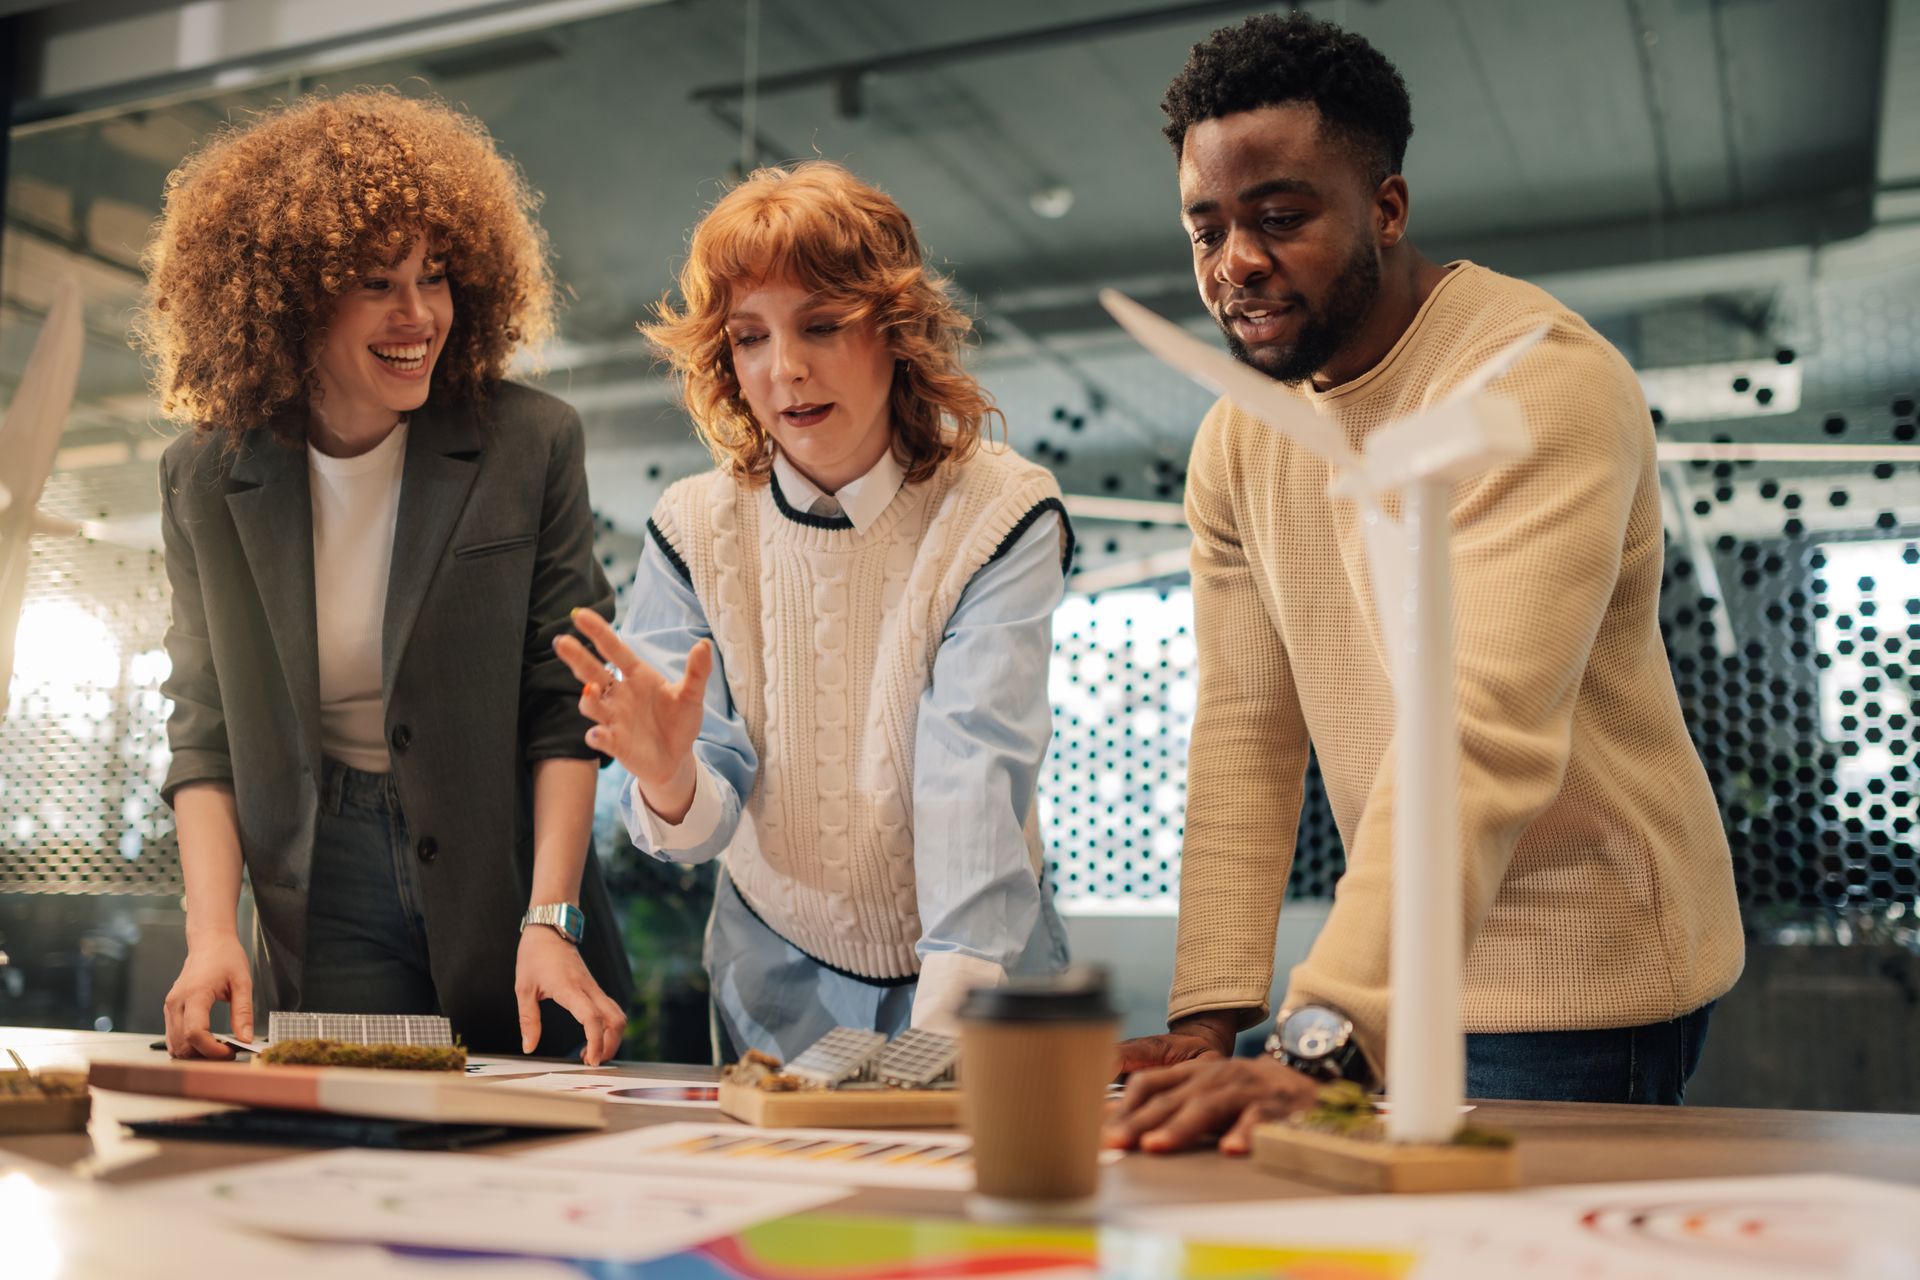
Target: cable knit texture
{"x":1598,"y":886}
{"x":828,"y":638}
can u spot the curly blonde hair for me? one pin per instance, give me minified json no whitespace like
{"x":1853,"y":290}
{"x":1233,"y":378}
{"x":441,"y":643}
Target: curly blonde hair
{"x":847,"y":242}
{"x":269,"y":222}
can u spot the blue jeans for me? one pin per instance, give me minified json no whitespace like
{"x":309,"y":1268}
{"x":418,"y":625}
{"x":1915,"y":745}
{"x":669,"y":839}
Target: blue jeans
{"x":366,"y":937}
{"x":1648,"y":1064}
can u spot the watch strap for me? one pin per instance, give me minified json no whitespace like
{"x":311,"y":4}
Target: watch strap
{"x":563,"y":917}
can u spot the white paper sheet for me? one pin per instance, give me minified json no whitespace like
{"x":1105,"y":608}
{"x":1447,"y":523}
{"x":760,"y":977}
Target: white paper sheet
{"x":1705,"y":1229}
{"x":481,"y":1066}
{"x":650,"y":1091}
{"x":857,"y":1157}
{"x":53,"y":1227}
{"x":476,"y":1203}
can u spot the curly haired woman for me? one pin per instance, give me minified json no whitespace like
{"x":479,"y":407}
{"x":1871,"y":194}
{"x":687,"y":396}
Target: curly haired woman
{"x":835,"y":665}
{"x":372,"y":541}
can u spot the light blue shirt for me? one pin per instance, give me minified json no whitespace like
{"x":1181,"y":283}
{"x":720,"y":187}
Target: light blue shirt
{"x":982,"y":733}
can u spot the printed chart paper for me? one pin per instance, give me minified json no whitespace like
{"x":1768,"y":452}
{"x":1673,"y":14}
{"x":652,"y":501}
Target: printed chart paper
{"x":858,"y":1157}
{"x":817,"y":1246}
{"x":437,"y":1200}
{"x":641,"y":1090}
{"x":1704,"y":1229}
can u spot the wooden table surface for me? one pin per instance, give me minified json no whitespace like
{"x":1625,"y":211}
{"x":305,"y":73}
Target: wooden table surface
{"x":1558,"y":1143}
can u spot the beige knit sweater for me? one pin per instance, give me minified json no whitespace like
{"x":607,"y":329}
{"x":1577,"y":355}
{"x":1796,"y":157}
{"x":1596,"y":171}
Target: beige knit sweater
{"x":828,"y":637}
{"x":1598,"y":886}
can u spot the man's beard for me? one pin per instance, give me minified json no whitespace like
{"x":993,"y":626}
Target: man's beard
{"x":1326,"y":328}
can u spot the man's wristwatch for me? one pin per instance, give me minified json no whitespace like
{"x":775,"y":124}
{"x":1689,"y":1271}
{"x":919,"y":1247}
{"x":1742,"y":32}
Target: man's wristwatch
{"x":567,"y":919}
{"x":1318,"y":1042}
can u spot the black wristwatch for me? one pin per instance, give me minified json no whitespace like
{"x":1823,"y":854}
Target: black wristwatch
{"x":1317,"y":1041}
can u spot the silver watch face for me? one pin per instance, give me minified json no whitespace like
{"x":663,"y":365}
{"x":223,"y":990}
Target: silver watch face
{"x":1311,"y":1033}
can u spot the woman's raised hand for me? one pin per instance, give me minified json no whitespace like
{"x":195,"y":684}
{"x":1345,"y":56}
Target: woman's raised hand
{"x":641,"y":719}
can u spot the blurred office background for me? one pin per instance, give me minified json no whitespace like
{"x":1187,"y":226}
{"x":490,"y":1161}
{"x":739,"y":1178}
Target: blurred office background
{"x":1728,"y":189}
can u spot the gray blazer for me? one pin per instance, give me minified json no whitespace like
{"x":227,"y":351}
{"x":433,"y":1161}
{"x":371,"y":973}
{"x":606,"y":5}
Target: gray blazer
{"x":492,"y":549}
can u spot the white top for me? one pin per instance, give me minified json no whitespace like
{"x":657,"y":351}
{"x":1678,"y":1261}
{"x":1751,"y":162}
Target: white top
{"x":860,"y":501}
{"x":355,"y":504}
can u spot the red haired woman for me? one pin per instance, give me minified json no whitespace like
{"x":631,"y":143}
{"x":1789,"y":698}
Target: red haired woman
{"x":835,"y":666}
{"x":372,"y":540}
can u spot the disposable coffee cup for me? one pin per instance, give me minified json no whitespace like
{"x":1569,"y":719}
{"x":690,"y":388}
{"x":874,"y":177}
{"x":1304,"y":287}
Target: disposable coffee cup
{"x":1035,"y":1058}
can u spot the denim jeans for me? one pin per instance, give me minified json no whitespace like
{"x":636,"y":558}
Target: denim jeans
{"x":366,"y":938}
{"x":1647,"y":1064}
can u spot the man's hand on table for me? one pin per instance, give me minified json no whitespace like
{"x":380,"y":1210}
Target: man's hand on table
{"x":549,"y":967}
{"x":1199,"y":1036}
{"x":1174,"y":1108}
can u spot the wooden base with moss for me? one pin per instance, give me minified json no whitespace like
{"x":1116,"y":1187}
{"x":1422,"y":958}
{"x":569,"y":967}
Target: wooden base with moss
{"x":389,"y":1057}
{"x":1341,"y":1143}
{"x":756,"y":1091}
{"x":42,"y":1101}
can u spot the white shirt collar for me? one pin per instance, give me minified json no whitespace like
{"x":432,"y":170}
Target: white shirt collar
{"x":861,"y":501}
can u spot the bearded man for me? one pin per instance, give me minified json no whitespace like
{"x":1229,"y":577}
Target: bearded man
{"x":1600,"y":916}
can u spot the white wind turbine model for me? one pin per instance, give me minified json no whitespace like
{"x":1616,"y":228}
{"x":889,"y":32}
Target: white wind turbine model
{"x":29,"y":436}
{"x":1419,"y":457}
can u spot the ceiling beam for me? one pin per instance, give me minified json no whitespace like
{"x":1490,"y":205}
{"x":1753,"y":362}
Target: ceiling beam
{"x":82,"y":61}
{"x":844,"y":77}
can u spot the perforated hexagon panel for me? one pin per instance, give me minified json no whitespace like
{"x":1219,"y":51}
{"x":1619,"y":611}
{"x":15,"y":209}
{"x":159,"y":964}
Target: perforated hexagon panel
{"x":83,"y":745}
{"x":1791,"y":614}
{"x":1114,"y":790}
{"x":1794,"y":653}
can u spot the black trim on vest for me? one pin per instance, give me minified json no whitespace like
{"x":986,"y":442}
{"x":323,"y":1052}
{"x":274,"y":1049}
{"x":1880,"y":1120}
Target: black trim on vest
{"x":1026,"y":522}
{"x":666,"y":549}
{"x":807,"y":518}
{"x":907,"y":981}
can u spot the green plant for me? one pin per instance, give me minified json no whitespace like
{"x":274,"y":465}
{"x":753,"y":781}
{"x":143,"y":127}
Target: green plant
{"x":663,"y":908}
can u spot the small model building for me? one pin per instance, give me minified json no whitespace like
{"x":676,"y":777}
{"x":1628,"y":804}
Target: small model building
{"x":849,"y":1058}
{"x":362,"y":1028}
{"x":843,"y":1056}
{"x":849,"y":1079}
{"x":919,"y":1059}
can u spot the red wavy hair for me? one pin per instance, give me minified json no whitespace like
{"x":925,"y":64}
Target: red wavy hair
{"x":847,"y":242}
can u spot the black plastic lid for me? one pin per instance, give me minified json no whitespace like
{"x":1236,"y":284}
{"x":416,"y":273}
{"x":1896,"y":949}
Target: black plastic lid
{"x":1077,"y":995}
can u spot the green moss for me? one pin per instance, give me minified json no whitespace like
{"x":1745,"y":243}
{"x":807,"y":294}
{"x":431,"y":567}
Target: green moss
{"x":1342,"y":1108}
{"x":47,"y":1084}
{"x":1346,"y":1109}
{"x":1474,"y":1136}
{"x":391,"y":1057}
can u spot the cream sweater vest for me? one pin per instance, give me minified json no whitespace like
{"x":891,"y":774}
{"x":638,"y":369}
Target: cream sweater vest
{"x":827,"y":637}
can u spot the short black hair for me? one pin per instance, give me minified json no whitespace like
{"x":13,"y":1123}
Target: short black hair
{"x":1271,"y":59}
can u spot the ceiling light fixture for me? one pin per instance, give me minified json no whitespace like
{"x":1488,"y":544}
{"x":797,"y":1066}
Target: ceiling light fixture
{"x":1052,"y":202}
